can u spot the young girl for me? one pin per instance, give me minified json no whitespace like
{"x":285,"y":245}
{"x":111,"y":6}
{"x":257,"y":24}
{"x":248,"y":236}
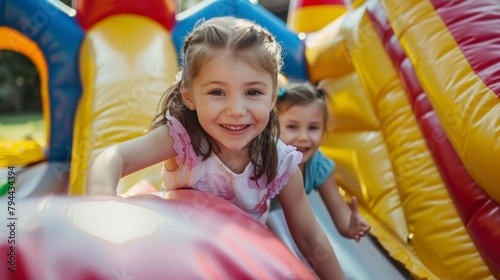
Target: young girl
{"x":295,"y":101}
{"x":218,"y":133}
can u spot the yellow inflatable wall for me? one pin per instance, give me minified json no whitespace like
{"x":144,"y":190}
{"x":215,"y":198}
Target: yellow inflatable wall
{"x":122,"y":84}
{"x":469,"y":112}
{"x":380,"y":152}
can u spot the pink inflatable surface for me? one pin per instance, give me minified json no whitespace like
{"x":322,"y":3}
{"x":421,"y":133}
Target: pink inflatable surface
{"x":187,"y":235}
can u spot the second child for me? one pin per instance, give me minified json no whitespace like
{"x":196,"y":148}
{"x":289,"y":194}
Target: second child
{"x":303,"y":115}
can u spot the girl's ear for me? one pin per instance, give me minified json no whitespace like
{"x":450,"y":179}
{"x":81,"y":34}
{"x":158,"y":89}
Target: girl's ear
{"x":186,"y":98}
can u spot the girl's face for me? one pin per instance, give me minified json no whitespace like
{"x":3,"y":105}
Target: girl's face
{"x":232,"y":100}
{"x":302,"y":126}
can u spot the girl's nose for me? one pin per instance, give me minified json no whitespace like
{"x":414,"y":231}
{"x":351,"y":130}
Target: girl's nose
{"x":236,"y":106}
{"x":302,"y":135}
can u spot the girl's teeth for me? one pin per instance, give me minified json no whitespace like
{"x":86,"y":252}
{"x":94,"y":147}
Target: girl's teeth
{"x":234,"y":127}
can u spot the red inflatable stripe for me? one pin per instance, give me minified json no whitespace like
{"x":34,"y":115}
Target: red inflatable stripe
{"x":479,"y":213}
{"x":296,"y":5}
{"x":89,"y":12}
{"x":474,"y":25}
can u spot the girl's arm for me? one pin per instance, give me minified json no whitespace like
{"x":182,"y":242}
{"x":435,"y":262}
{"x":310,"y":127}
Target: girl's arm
{"x":347,"y":219}
{"x":127,"y":157}
{"x":305,"y":230}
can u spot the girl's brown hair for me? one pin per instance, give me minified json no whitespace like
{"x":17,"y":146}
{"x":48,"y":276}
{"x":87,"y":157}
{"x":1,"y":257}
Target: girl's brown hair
{"x":247,"y":41}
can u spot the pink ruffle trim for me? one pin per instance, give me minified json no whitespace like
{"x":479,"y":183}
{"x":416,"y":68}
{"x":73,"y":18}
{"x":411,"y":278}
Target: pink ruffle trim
{"x":290,"y":163}
{"x":182,"y":142}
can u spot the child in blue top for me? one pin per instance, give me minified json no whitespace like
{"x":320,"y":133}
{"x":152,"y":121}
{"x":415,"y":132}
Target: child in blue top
{"x":303,"y":115}
{"x":217,"y":132}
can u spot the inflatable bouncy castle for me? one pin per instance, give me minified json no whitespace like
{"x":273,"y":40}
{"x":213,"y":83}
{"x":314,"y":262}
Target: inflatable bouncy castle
{"x":414,"y":128}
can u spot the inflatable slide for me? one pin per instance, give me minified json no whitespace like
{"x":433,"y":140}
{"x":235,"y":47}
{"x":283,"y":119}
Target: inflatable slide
{"x":415,"y":127}
{"x":414,"y":131}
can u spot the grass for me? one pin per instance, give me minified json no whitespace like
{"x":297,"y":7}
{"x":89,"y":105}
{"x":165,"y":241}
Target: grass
{"x":22,"y":126}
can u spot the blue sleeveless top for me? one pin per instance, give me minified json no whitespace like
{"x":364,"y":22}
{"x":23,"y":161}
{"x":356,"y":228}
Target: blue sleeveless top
{"x":318,"y":170}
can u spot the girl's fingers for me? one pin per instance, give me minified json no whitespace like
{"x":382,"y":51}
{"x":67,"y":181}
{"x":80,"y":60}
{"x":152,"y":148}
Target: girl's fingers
{"x":367,"y":227}
{"x":354,"y":204}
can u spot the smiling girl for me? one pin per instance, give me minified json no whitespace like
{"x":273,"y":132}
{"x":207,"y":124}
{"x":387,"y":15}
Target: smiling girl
{"x":218,"y":132}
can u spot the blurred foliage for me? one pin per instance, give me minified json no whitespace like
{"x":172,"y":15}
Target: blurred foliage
{"x":19,"y":83}
{"x":186,"y":4}
{"x":67,"y":2}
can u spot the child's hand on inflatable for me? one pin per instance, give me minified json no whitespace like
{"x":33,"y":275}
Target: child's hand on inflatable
{"x":358,"y":226}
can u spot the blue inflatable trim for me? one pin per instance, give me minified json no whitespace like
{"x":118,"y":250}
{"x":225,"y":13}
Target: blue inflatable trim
{"x":295,"y":65}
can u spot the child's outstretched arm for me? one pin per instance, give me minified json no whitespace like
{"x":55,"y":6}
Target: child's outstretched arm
{"x":127,"y":157}
{"x":305,"y":230}
{"x":347,"y":219}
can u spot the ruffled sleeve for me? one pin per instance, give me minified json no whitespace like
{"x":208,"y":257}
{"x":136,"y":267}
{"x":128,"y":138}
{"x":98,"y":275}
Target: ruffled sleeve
{"x":289,"y":159}
{"x":182,"y":142}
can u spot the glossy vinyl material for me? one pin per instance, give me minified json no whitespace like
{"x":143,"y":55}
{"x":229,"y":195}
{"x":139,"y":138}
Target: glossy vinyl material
{"x":188,"y":235}
{"x":478,"y":211}
{"x":310,"y":16}
{"x":458,"y":69}
{"x":90,"y":12}
{"x":123,"y":81}
{"x":424,"y":198}
{"x":396,"y":171}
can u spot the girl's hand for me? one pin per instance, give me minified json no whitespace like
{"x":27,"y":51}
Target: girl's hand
{"x":358,"y":226}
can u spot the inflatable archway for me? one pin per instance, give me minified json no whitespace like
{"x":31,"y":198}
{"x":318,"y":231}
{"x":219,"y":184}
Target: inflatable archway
{"x":51,"y":39}
{"x":21,"y":151}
